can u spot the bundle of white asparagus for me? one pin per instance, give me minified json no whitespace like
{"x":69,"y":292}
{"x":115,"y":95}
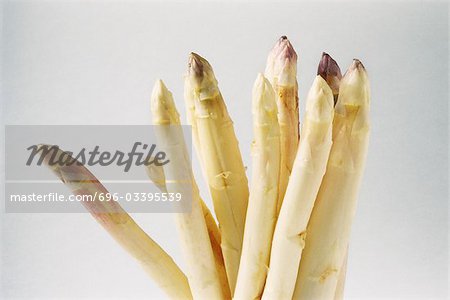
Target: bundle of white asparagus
{"x":285,"y":237}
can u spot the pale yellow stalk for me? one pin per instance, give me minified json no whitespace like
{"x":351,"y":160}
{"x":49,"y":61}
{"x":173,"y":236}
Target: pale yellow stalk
{"x":339,"y":293}
{"x":202,"y":275}
{"x":154,"y":260}
{"x":281,"y":70}
{"x":331,"y":219}
{"x":157,"y":176}
{"x":307,"y":173}
{"x":262,"y":206}
{"x":220,"y":158}
{"x":330,"y":71}
{"x":215,"y":238}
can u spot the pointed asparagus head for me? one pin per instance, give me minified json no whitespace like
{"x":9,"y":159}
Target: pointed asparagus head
{"x":330,"y":71}
{"x":264,"y":105}
{"x":320,"y":102}
{"x":200,"y":77}
{"x":162,"y":105}
{"x":354,"y":87}
{"x":281,"y":67}
{"x":82,"y":182}
{"x":354,"y":97}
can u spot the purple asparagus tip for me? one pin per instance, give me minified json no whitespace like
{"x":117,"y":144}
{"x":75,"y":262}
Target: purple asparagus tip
{"x":329,"y":70}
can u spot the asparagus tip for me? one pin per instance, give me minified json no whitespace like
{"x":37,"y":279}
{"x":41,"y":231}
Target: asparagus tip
{"x":320,"y":100}
{"x":159,"y":89}
{"x":200,"y":75}
{"x":284,"y":49}
{"x":196,"y":64}
{"x":356,"y":67}
{"x":357,"y":64}
{"x":162,"y":105}
{"x":355,"y":88}
{"x":281,"y":67}
{"x":329,"y":70}
{"x":263,"y":99}
{"x":328,"y":67}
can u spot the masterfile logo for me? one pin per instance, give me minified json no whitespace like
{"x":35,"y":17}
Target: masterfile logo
{"x":55,"y":168}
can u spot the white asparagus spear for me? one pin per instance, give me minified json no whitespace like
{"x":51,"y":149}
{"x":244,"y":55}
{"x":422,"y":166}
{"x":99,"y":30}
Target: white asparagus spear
{"x":262,"y":206}
{"x":330,"y":223}
{"x":157,"y":176}
{"x":339,"y":293}
{"x":330,"y":71}
{"x":281,"y":70}
{"x":220,"y":158}
{"x":202,"y":275}
{"x":109,"y":214}
{"x":304,"y":183}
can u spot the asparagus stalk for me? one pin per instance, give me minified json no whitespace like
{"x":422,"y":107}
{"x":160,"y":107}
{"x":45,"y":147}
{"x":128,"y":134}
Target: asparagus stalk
{"x":339,"y":293}
{"x":281,"y":70}
{"x":220,"y":158}
{"x":307,"y":173}
{"x":157,"y":176}
{"x":203,"y":274}
{"x":111,"y":216}
{"x":215,"y":238}
{"x":330,"y":71}
{"x":262,"y":209}
{"x":330,"y":223}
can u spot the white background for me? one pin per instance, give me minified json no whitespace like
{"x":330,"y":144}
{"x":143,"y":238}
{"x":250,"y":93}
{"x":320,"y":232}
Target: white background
{"x":83,"y":62}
